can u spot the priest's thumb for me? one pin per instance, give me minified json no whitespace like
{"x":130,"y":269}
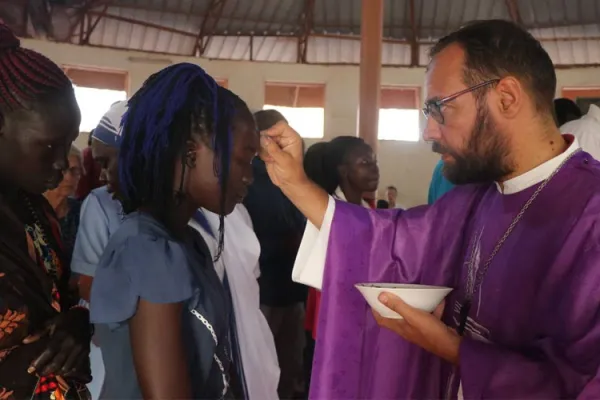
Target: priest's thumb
{"x":394,"y":303}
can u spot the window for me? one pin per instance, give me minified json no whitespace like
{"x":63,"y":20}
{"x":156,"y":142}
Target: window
{"x":399,"y":114}
{"x":94,"y":103}
{"x":302,"y":105}
{"x":96,"y":91}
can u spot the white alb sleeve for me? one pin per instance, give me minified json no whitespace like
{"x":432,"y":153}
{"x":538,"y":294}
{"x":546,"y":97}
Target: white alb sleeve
{"x":309,"y":267}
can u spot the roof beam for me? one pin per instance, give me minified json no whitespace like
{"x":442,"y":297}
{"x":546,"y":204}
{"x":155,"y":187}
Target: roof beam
{"x":209,"y":23}
{"x":92,"y":26}
{"x":513,"y":11}
{"x":306,"y":25}
{"x":142,"y":23}
{"x":80,"y":17}
{"x":414,"y":35}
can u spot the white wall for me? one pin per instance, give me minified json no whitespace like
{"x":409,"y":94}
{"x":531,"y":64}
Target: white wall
{"x":408,"y":166}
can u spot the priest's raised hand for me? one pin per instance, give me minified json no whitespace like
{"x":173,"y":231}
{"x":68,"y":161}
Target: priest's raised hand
{"x":282,"y":154}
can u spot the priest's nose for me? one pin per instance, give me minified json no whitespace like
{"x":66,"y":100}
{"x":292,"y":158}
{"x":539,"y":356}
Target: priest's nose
{"x":432,"y":130}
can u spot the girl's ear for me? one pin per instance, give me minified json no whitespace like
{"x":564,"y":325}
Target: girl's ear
{"x":191,"y":148}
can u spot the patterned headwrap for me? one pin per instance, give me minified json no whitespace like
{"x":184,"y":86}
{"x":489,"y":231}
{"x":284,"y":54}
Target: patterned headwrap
{"x":108,"y":130}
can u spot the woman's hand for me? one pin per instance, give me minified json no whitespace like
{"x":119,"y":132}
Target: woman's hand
{"x":68,"y":349}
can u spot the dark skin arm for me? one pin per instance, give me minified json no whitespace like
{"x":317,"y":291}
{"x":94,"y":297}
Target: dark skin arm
{"x":158,"y":351}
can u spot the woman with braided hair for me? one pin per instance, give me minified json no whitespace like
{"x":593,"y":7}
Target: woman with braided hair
{"x":44,"y":336}
{"x":157,"y":299}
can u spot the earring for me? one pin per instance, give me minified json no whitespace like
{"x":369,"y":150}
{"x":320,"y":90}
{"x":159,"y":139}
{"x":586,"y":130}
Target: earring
{"x":190,"y":158}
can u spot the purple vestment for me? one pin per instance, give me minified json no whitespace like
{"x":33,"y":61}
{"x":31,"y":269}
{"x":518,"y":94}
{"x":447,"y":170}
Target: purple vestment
{"x":534,"y":327}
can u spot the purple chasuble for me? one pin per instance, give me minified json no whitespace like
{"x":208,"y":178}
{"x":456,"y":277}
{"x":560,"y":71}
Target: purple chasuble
{"x":533,"y":330}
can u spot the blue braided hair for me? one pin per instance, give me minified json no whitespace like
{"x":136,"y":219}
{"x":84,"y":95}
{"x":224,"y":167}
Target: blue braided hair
{"x":174,"y":103}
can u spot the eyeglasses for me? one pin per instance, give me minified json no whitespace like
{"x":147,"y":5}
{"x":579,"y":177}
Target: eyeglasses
{"x":433,"y":107}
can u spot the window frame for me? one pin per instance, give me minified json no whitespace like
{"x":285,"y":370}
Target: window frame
{"x":416,"y":90}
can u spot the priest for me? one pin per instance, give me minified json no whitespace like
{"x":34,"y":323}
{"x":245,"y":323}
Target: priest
{"x":518,"y":240}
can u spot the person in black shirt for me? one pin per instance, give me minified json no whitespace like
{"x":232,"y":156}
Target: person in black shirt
{"x":279,"y":227}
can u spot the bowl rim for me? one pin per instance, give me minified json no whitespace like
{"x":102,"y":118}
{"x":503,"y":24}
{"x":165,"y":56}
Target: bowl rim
{"x":403,"y":286}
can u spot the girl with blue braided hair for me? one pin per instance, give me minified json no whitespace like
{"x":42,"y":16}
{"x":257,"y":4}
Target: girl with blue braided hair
{"x":185,"y":144}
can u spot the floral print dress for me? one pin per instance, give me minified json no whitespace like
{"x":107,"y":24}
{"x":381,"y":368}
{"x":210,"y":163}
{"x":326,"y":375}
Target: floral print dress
{"x":69,"y":225}
{"x":32,"y":279}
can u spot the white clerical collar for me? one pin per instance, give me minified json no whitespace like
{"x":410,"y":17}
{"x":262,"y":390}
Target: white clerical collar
{"x":539,"y":173}
{"x":339,"y":194}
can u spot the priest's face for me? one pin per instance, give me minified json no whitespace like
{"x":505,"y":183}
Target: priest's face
{"x":462,"y":129}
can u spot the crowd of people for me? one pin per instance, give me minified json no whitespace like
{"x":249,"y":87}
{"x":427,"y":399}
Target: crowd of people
{"x":197,"y":250}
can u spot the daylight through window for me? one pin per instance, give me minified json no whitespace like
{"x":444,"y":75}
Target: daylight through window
{"x":399,"y":116}
{"x":307,"y":121}
{"x":94,"y":103}
{"x":303,"y":105}
{"x":399,"y":124}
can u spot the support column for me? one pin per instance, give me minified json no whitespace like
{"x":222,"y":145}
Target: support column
{"x":371,"y":38}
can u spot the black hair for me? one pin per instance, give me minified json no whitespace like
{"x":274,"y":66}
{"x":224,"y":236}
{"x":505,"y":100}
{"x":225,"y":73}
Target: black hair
{"x":383,"y":204}
{"x":172,"y":105}
{"x":566,"y":110}
{"x":323,"y":159}
{"x":314,"y":167}
{"x":265,"y":119}
{"x":495,"y":49}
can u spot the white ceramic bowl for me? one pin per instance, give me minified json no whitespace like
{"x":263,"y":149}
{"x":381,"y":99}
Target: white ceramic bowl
{"x":423,"y":297}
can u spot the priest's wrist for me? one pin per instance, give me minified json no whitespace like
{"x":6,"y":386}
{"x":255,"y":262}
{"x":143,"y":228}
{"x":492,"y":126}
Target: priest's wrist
{"x":452,"y":353}
{"x":308,"y":197}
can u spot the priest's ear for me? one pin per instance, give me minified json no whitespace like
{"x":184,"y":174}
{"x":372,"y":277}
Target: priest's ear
{"x":510,"y":97}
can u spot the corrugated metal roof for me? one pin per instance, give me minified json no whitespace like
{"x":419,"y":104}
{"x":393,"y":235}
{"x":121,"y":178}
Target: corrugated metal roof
{"x":260,"y":17}
{"x":268,"y":30}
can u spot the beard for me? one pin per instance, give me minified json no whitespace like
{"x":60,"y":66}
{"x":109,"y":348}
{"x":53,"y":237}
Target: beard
{"x":486,"y":155}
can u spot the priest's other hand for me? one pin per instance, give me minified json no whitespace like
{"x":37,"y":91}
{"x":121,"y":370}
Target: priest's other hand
{"x":421,"y":328}
{"x":282,"y":152}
